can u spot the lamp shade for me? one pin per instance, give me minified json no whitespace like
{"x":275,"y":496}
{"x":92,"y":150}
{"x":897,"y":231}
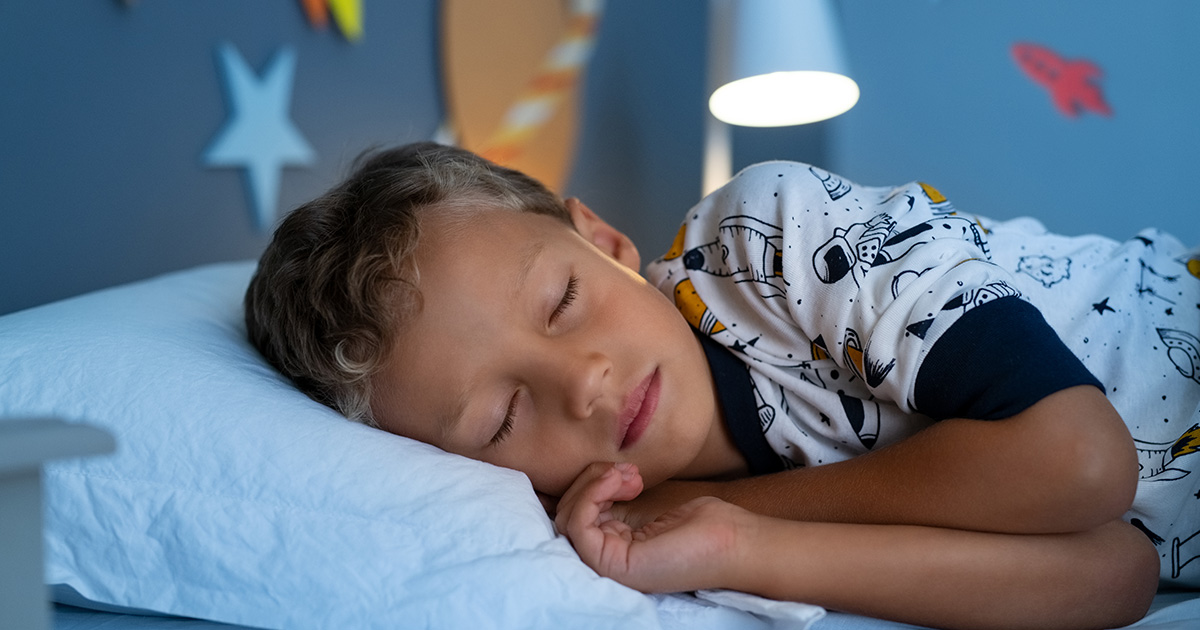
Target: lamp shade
{"x":786,"y":65}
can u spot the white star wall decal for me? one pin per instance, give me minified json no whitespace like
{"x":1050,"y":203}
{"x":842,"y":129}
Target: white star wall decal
{"x":259,"y":134}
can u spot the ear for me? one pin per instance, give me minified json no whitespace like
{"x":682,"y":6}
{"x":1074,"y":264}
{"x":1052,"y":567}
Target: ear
{"x":605,"y":237}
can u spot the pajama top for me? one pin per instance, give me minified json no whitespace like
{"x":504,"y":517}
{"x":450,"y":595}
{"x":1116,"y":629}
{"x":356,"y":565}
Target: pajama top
{"x":838,"y":318}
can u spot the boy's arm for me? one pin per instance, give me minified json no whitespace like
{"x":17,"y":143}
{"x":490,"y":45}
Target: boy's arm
{"x":1065,"y":464}
{"x":1103,"y":577}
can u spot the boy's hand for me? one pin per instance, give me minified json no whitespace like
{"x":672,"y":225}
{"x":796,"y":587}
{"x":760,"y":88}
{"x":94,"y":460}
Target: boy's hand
{"x":657,"y":500}
{"x":690,"y":547}
{"x":650,"y":504}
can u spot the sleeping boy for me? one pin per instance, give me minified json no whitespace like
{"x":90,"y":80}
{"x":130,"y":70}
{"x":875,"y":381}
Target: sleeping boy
{"x":824,"y":392}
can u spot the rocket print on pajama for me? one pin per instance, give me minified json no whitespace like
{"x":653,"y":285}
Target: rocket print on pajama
{"x":834,"y":296}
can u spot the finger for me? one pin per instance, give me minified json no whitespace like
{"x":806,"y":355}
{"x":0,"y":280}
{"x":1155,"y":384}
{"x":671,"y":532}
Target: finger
{"x":569,"y":498}
{"x":590,"y":506}
{"x":583,"y":520}
{"x":589,"y":474}
{"x":630,"y":487}
{"x":617,"y":528}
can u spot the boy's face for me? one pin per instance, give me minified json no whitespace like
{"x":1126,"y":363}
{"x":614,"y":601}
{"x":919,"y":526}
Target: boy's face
{"x":537,"y":351}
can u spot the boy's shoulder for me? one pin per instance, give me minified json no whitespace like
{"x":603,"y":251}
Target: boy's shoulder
{"x":796,"y":177}
{"x":795,"y":196}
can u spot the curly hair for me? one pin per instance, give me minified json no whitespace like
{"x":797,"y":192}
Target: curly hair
{"x":339,"y":277}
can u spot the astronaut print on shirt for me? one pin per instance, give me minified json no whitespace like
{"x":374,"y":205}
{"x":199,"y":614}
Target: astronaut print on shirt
{"x":832,"y":294}
{"x":762,"y":264}
{"x":867,"y":250}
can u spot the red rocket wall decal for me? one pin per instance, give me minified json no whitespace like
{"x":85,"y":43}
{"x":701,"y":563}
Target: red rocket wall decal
{"x":1073,"y":83}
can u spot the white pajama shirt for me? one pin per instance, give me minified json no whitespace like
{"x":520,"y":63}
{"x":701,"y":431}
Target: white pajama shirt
{"x":838,"y":318}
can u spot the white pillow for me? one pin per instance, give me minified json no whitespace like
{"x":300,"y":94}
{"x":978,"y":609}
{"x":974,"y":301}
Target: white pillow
{"x":235,"y":498}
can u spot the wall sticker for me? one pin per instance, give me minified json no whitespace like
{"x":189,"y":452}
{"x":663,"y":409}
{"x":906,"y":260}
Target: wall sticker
{"x":1074,"y":84}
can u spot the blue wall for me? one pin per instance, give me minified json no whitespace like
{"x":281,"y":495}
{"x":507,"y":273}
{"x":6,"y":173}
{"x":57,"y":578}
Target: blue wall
{"x":943,"y":101}
{"x":108,"y":108}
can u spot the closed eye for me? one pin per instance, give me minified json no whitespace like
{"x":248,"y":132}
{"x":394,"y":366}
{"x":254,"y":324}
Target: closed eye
{"x":506,"y":427}
{"x":568,"y":297}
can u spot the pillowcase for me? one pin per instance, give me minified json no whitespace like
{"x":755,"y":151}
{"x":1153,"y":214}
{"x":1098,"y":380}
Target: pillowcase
{"x":235,"y":498}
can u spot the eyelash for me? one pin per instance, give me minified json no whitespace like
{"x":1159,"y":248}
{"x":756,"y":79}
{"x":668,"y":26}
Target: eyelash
{"x":506,"y":427}
{"x":568,"y":297}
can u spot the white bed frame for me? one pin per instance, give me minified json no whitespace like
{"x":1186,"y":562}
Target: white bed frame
{"x":24,"y":446}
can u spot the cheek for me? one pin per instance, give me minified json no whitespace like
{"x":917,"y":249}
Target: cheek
{"x":551,"y":480}
{"x":550,"y":470}
{"x":659,"y":313}
{"x":556,"y":472}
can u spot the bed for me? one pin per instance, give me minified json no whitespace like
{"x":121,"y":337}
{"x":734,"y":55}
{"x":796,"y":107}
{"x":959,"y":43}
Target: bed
{"x":233,"y":500}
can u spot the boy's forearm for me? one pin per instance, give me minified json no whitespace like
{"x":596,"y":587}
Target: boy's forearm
{"x":1105,"y":577}
{"x":1066,"y":464}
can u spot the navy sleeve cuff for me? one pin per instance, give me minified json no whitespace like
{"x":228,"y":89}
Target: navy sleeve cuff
{"x":995,"y":361}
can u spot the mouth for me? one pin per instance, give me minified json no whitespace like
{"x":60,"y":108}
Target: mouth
{"x":639,"y":409}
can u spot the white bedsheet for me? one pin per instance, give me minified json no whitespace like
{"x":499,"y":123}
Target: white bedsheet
{"x":1171,"y":611}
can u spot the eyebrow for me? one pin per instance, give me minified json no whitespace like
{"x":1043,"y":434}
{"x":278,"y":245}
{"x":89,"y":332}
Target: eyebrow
{"x":529,"y":256}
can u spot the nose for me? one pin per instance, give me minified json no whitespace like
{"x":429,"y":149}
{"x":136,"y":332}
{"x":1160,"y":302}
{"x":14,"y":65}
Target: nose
{"x":583,"y":376}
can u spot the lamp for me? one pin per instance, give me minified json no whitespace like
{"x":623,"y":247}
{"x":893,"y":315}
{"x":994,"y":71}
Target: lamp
{"x":772,"y":63}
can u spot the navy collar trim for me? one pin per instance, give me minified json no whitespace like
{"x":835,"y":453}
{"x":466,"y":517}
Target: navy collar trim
{"x":735,"y":394}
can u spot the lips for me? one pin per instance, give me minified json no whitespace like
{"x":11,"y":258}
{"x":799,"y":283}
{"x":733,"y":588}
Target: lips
{"x":639,"y":410}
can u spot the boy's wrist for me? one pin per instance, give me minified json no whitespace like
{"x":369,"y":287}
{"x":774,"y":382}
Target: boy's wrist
{"x":742,"y":568}
{"x":764,"y":560}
